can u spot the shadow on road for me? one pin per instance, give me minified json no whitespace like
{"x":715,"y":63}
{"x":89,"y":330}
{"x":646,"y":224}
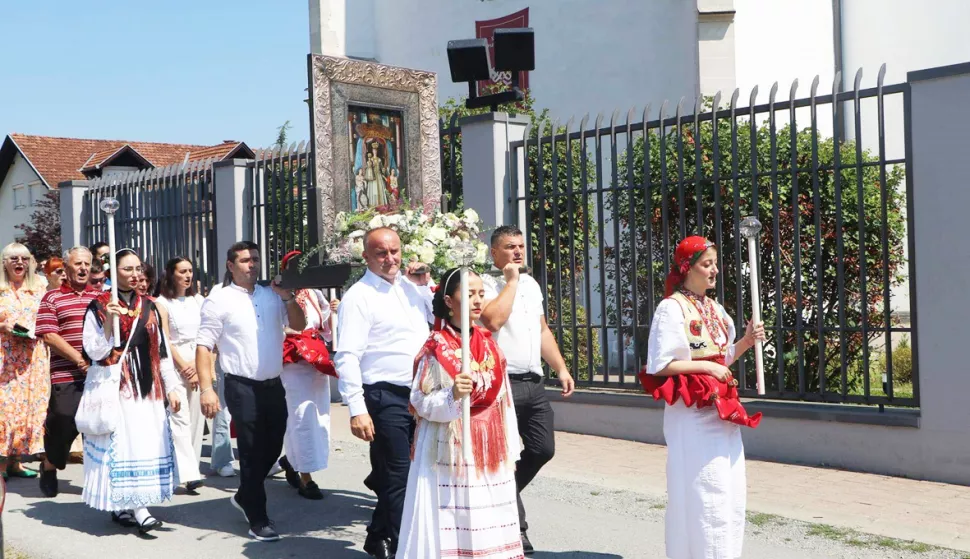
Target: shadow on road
{"x":574,"y":555}
{"x":309,"y":528}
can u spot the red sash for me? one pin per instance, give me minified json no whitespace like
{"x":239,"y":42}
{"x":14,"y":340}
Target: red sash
{"x":701,"y":391}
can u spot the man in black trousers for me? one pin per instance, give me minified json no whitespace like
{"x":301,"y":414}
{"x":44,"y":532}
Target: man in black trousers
{"x":513,"y":310}
{"x":246,"y":321}
{"x":383,"y":322}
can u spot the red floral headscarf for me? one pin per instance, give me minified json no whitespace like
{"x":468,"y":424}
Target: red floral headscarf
{"x":685,"y":255}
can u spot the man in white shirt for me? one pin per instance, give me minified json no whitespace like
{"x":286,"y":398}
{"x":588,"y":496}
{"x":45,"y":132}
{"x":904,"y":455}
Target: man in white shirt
{"x":383,"y":322}
{"x":513,"y":309}
{"x":246,"y":321}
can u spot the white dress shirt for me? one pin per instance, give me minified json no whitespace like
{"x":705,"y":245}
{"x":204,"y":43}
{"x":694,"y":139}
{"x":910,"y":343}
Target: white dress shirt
{"x":521,"y":337}
{"x":248,"y":328}
{"x":381,"y":326}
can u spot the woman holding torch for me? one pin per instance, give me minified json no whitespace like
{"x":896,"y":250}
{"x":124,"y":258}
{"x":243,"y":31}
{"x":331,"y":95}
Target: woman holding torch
{"x":691,"y":347}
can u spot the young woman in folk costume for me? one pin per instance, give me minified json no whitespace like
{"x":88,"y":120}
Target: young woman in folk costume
{"x":454,"y":509}
{"x":691,"y":347}
{"x":133,"y":467}
{"x":307,"y":369}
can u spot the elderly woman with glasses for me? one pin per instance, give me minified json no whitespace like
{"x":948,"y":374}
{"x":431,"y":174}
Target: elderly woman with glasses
{"x":24,"y":363}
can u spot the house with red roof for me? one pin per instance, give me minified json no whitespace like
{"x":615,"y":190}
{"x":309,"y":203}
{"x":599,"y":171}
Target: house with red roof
{"x":30,"y":166}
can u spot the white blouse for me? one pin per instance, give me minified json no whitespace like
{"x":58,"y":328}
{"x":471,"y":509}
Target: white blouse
{"x":184,"y":318}
{"x":98,"y":347}
{"x":668,"y":336}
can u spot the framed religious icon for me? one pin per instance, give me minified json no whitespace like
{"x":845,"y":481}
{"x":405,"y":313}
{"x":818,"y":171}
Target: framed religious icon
{"x":375,"y":136}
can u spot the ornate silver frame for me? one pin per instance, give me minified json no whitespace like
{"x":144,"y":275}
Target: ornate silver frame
{"x":335,"y":84}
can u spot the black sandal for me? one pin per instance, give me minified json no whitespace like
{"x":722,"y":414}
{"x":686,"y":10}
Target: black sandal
{"x":150,"y":523}
{"x":310,"y":491}
{"x":125,"y":518}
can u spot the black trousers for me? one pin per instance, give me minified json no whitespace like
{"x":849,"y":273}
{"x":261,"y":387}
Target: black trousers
{"x":258,"y":411}
{"x":537,"y":428}
{"x":59,"y":428}
{"x":390,"y":456}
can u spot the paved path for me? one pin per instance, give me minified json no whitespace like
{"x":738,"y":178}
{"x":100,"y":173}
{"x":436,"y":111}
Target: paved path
{"x":599,"y":499}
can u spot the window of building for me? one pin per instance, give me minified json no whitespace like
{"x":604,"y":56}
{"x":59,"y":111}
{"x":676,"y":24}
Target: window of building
{"x":37,"y":192}
{"x":20,"y":197}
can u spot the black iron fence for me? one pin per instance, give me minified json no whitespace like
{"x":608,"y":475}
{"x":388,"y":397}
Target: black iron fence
{"x":163,"y":213}
{"x":278,"y":203}
{"x":604,"y":207}
{"x":450,"y":163}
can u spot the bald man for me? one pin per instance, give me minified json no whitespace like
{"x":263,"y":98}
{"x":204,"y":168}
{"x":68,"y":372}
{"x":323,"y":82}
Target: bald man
{"x":383,"y":322}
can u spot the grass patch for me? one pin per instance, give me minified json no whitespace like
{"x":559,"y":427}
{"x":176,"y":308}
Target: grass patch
{"x":594,"y":493}
{"x":762,"y":519}
{"x":10,"y":553}
{"x":858,"y":539}
{"x":829,"y":532}
{"x":659,"y":506}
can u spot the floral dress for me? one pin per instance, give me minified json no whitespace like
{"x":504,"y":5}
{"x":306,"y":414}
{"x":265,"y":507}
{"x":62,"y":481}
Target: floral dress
{"x":25,"y":385}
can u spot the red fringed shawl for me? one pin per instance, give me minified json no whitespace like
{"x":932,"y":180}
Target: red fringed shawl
{"x":489,"y":446}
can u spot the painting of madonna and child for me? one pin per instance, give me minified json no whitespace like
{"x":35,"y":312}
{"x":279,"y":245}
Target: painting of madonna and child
{"x":376,"y":146}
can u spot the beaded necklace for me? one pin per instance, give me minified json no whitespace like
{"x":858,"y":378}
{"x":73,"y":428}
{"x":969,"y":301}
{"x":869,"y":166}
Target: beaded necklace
{"x":713,"y":323}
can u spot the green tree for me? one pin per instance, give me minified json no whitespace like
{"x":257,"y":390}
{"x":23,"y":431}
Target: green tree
{"x":556,"y":217}
{"x":804,"y":277}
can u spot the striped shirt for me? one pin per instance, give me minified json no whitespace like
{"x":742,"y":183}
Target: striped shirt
{"x":62,"y":312}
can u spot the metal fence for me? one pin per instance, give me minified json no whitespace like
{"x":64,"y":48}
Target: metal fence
{"x":450,"y":163}
{"x":278,"y":203}
{"x":604,"y":207}
{"x":164,"y":213}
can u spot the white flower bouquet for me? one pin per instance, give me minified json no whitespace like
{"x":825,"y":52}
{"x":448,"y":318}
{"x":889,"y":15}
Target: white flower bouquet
{"x":431,"y":238}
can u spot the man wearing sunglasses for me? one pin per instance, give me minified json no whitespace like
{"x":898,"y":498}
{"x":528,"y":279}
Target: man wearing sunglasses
{"x":97,"y":278}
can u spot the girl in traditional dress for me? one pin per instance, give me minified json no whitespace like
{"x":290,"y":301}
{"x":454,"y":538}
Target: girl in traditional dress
{"x":690,"y":349}
{"x":181,"y":318}
{"x":25,"y":384}
{"x":307,"y":369}
{"x":453,"y":508}
{"x":133,"y":467}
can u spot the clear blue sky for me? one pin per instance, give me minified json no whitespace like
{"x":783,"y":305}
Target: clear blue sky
{"x":183,"y":71}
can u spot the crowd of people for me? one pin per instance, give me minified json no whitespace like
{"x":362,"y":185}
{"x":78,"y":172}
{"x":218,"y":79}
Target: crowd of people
{"x":258,"y":358}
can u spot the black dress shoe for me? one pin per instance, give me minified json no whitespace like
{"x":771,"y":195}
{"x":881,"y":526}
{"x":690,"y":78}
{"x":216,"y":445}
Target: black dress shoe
{"x":527,"y":545}
{"x":379,"y":548}
{"x":194,"y":485}
{"x":311,"y":491}
{"x":292,"y":476}
{"x":48,"y":482}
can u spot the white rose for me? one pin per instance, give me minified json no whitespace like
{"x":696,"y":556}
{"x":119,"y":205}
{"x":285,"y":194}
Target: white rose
{"x":357,"y":234}
{"x":471,"y":216}
{"x":427,"y":254}
{"x":375,"y":222}
{"x":357,"y":249}
{"x":392,"y":220}
{"x":341,"y":222}
{"x":481,"y":254}
{"x":436,"y":234}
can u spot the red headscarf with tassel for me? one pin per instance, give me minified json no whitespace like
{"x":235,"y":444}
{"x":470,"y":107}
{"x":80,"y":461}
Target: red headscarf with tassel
{"x":685,"y":255}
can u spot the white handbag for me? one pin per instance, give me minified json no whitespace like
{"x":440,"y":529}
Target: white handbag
{"x":99,"y":410}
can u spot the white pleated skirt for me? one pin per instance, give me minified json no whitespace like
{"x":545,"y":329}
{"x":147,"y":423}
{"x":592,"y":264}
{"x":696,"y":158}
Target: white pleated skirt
{"x":706,"y":486}
{"x":132,"y":467}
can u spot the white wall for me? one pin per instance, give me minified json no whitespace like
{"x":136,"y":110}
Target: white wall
{"x":590,"y":56}
{"x":20,"y":173}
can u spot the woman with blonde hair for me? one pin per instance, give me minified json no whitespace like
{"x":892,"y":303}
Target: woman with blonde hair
{"x":24,"y":362}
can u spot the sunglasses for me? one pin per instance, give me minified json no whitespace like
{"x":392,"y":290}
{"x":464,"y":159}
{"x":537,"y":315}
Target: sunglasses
{"x":18,"y":259}
{"x":59,"y":271}
{"x":93,"y":281}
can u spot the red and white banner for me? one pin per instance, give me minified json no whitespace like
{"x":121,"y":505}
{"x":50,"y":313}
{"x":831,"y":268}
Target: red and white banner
{"x":486,"y":30}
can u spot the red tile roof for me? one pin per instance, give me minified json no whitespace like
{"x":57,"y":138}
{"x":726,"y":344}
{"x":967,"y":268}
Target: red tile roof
{"x":61,"y":159}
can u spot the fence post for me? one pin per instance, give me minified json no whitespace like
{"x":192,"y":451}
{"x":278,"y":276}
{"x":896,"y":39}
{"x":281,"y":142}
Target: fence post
{"x":231,"y":185}
{"x":936,"y":123}
{"x":486,"y":173}
{"x":72,"y":212}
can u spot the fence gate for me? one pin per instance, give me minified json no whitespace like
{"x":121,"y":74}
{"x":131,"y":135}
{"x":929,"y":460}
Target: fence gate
{"x":164,"y":213}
